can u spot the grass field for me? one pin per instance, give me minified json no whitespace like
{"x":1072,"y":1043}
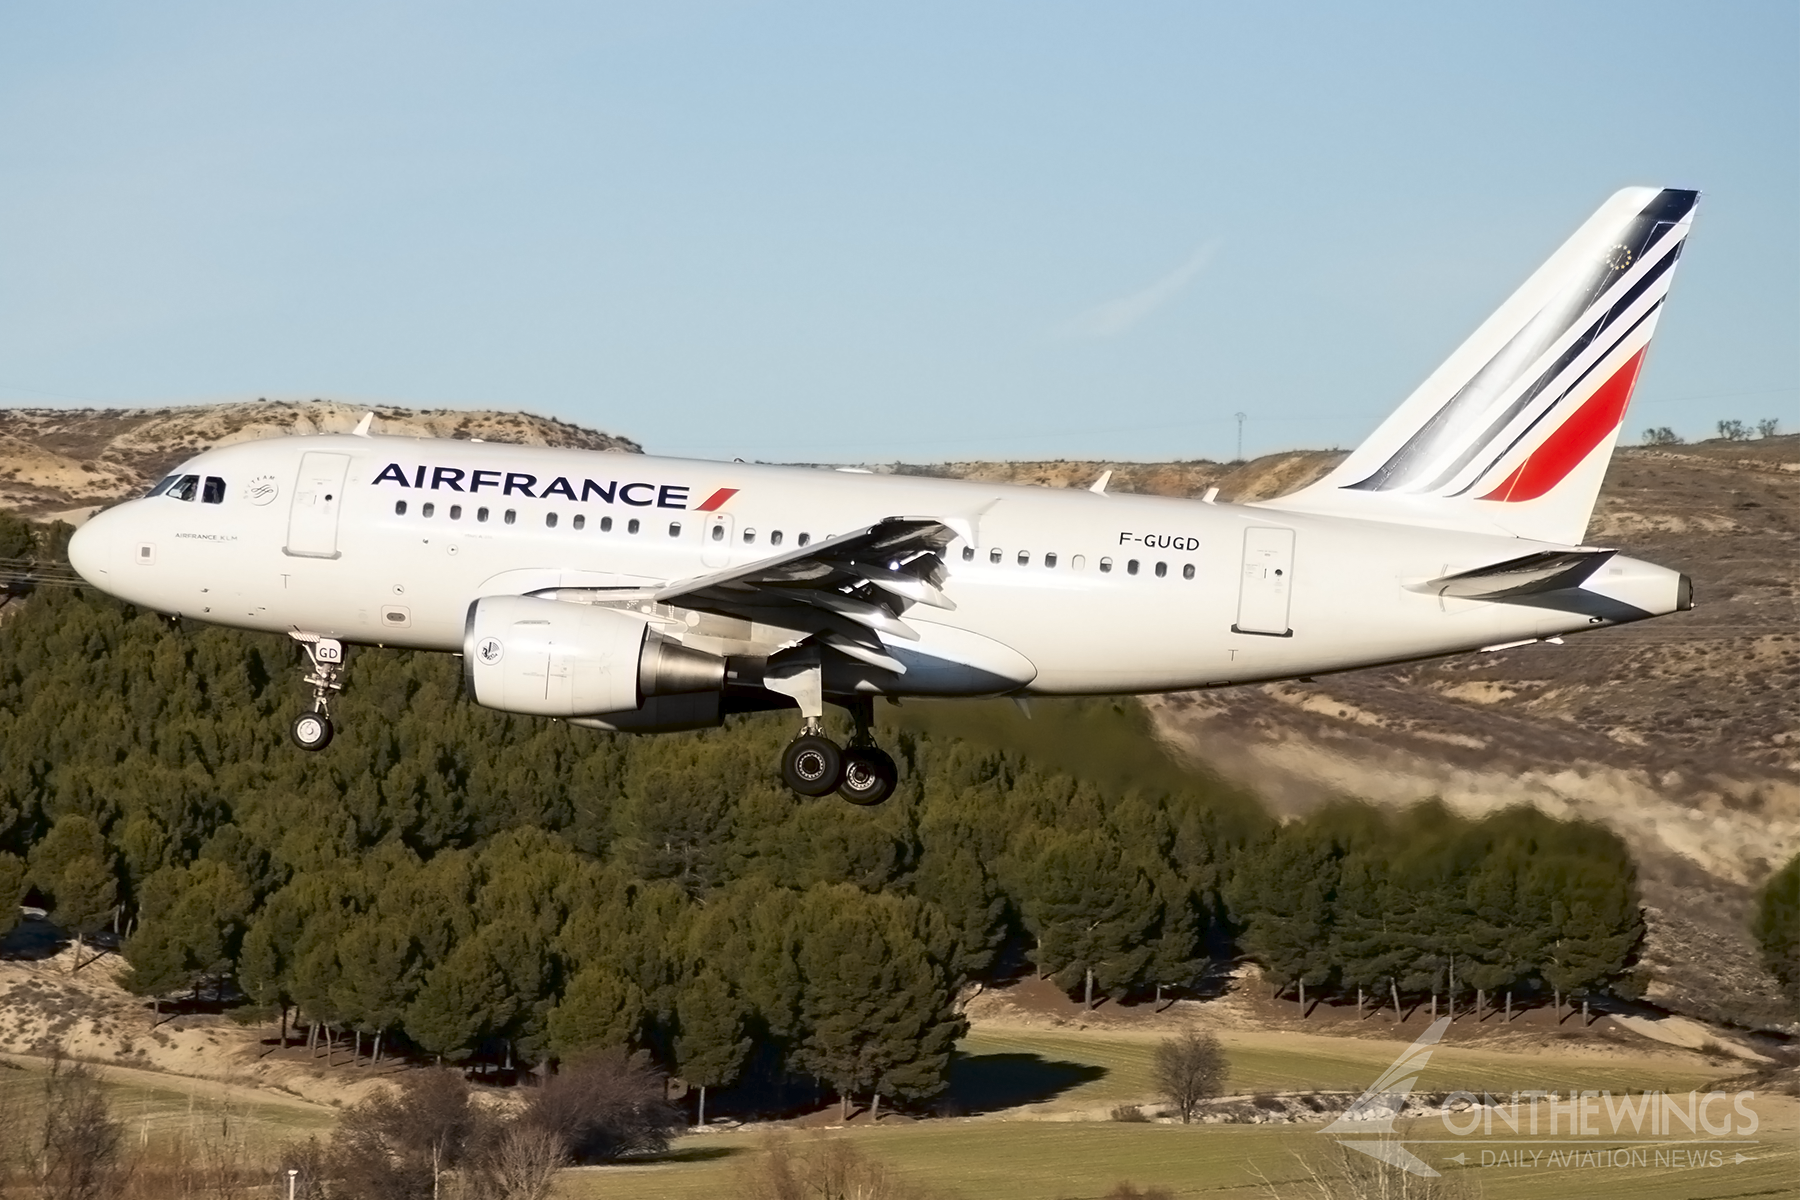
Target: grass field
{"x":1069,"y":1072}
{"x":190,"y":1110}
{"x":1117,"y":1067}
{"x":1039,"y":1160}
{"x":1065,"y":1073}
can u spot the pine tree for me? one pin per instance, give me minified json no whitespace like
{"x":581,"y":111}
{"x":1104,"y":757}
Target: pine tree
{"x":875,"y":1011}
{"x":13,"y":875}
{"x":711,"y":1045}
{"x":456,"y":1003}
{"x":600,"y":1010}
{"x":1090,"y":909}
{"x":1776,"y":926}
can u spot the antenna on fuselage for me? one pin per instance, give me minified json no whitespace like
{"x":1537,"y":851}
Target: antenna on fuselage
{"x":1099,"y":485}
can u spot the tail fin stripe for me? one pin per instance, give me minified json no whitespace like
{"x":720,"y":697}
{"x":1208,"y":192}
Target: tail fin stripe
{"x":1593,"y":364}
{"x":1651,"y":246}
{"x":1575,"y":350}
{"x":1574,"y":439}
{"x":1511,"y":434}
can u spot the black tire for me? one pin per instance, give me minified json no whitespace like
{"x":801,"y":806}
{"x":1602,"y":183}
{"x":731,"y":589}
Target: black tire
{"x":812,"y":766}
{"x":311,"y":731}
{"x":869,"y":775}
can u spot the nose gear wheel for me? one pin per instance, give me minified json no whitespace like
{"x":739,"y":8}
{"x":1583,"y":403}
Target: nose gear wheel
{"x":313,"y":730}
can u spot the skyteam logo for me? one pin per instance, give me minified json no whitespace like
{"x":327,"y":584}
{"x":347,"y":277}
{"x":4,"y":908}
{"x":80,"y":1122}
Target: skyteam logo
{"x":1545,"y":1129}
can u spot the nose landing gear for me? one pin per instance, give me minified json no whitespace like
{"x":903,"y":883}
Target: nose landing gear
{"x":313,"y":730}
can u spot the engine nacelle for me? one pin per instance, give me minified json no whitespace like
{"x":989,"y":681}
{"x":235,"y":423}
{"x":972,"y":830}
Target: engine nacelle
{"x":548,"y":658}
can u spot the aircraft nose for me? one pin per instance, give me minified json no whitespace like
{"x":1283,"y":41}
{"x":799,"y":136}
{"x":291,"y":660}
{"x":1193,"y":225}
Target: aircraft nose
{"x":90,"y":550}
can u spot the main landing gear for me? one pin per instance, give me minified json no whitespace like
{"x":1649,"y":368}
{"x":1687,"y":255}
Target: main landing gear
{"x":312,"y":730}
{"x":862,"y":772}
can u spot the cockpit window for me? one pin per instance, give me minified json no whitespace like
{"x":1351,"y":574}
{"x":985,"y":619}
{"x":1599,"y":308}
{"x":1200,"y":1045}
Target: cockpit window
{"x":162,"y":487}
{"x":185,"y":487}
{"x":214,"y":492}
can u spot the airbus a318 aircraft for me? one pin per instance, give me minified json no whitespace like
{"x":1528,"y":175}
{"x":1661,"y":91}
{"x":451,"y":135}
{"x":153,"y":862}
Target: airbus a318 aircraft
{"x":626,"y":592}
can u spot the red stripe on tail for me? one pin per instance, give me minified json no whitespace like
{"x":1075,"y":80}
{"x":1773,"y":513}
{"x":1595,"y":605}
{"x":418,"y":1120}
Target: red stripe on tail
{"x":1573,"y":440}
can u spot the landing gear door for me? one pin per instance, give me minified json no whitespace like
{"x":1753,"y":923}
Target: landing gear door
{"x":318,"y":496}
{"x":1267,"y":583}
{"x":715,"y":542}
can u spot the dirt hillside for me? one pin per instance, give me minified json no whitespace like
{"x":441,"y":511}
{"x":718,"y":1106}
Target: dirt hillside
{"x":54,"y":460}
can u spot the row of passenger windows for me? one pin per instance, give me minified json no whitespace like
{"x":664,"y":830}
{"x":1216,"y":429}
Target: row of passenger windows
{"x":579,"y":521}
{"x":186,"y":487}
{"x":634,"y":525}
{"x":1078,"y":563}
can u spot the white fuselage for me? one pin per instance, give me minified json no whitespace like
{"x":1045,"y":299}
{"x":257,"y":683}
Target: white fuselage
{"x":1069,"y":591}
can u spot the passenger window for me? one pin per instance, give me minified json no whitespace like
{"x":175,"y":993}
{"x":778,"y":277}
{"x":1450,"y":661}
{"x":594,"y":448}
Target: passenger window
{"x":428,"y":510}
{"x":1050,"y":559}
{"x":749,"y":536}
{"x":1024,"y":558}
{"x":580,"y":521}
{"x":633,"y":525}
{"x":481,"y":514}
{"x":1131,"y":567}
{"x":215,"y":491}
{"x":456,"y":512}
{"x":399,"y":508}
{"x":775,"y":538}
{"x":674,"y":528}
{"x":1162,"y":569}
{"x":805,"y":538}
{"x":511,"y":516}
{"x":994,"y":555}
{"x":1187,"y":572}
{"x":968,"y":554}
{"x":1105,"y":565}
{"x":605,"y":524}
{"x":1078,"y":562}
{"x":185,"y":487}
{"x":160,"y":488}
{"x":718,"y":533}
{"x":549,"y":520}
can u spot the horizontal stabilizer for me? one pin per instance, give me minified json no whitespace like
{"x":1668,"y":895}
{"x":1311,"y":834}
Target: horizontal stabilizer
{"x":1531,"y":575}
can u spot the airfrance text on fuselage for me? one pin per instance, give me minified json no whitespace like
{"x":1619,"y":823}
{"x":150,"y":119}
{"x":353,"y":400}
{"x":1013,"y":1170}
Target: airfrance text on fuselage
{"x":520,"y":483}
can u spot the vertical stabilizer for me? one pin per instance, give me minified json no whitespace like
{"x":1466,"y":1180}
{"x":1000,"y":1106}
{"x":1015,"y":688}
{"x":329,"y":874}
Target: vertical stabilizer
{"x":1513,"y":433}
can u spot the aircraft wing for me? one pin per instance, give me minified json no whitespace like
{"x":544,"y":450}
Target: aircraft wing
{"x":848,"y":587}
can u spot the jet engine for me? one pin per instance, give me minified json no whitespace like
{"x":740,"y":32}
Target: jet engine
{"x":549,"y":658}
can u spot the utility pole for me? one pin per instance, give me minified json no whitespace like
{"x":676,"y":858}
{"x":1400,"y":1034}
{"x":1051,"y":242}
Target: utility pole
{"x":1240,"y":444}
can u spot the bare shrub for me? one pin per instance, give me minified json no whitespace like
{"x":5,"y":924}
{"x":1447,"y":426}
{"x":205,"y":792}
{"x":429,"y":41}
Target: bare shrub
{"x":520,"y":1164}
{"x":820,"y":1168}
{"x":311,"y":1164}
{"x":1345,"y":1174}
{"x":1123,"y":1190}
{"x":1129,"y":1113}
{"x":604,"y":1106}
{"x":1189,"y":1068}
{"x":78,"y":1152}
{"x":399,"y":1144}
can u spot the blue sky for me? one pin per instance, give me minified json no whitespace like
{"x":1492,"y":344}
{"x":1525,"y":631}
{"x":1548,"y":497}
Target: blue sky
{"x":843,"y":232}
